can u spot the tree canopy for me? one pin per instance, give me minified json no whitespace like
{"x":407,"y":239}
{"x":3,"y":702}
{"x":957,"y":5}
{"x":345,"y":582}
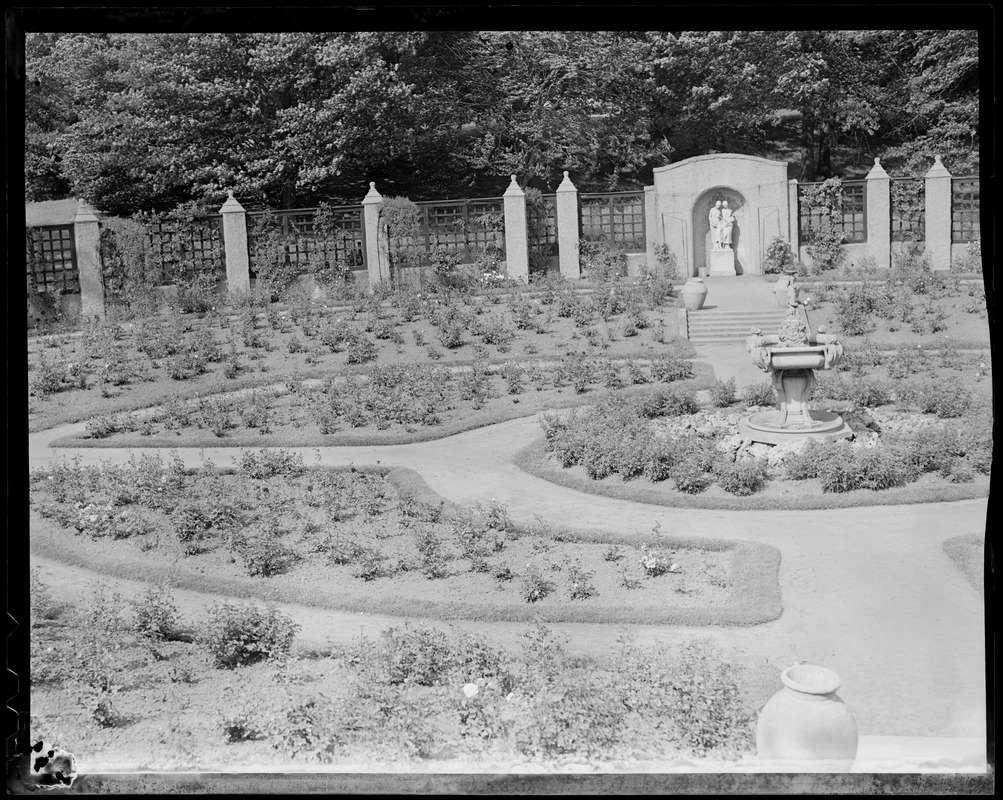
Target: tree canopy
{"x":147,"y":121}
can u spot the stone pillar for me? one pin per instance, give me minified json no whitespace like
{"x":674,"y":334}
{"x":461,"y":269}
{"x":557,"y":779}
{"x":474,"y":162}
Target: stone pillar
{"x":377,"y":254}
{"x":793,"y":217}
{"x":238,"y":264}
{"x":567,"y":229}
{"x":516,"y":237}
{"x":879,"y":215}
{"x":650,"y":226}
{"x":87,"y":241}
{"x":938,"y":215}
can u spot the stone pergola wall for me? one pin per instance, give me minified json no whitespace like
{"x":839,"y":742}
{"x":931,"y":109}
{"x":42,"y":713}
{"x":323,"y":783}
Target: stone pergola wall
{"x":675,"y":213}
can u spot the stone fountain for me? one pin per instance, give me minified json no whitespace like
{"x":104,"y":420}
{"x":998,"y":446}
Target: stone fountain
{"x":791,"y":358}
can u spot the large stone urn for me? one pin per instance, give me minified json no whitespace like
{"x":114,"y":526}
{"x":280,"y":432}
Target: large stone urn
{"x":806,"y":726}
{"x":694,"y":293}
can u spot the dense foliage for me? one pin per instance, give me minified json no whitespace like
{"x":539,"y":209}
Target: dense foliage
{"x":147,"y":121}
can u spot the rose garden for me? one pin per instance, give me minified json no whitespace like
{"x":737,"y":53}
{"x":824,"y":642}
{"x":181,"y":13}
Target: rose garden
{"x":538,"y":482}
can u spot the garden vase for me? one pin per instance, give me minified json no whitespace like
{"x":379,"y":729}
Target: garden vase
{"x":805,"y":725}
{"x":694,"y":293}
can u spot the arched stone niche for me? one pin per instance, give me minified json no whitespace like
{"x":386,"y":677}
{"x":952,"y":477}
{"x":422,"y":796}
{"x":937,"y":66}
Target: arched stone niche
{"x":701,"y":226}
{"x":756,"y":190}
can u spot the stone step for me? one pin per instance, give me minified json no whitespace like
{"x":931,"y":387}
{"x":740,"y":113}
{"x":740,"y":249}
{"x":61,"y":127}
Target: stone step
{"x":723,"y":338}
{"x":699,"y":315}
{"x":712,"y":326}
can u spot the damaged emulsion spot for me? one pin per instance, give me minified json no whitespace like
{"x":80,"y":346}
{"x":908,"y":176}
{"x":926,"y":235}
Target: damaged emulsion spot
{"x":52,"y":767}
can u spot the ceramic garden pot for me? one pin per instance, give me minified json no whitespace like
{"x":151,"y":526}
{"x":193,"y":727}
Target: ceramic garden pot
{"x":694,"y":293}
{"x":805,"y":725}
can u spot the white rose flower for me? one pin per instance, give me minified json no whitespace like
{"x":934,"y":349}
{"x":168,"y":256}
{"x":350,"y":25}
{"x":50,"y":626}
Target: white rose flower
{"x":470,"y":689}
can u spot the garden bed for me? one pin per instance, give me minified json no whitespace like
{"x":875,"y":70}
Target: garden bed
{"x":385,"y":544}
{"x":912,"y":308}
{"x":778,"y":494}
{"x":664,"y":449}
{"x":78,"y":377}
{"x":229,"y":688}
{"x":385,"y":405}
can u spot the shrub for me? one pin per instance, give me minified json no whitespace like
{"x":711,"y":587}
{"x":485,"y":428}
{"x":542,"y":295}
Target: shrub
{"x":667,"y":403}
{"x":882,"y":468}
{"x":760,"y":394}
{"x":668,"y":264}
{"x":856,"y":308}
{"x":614,"y":553}
{"x":361,"y":349}
{"x":975,"y":440}
{"x":802,"y":464}
{"x":269,"y":463}
{"x":671,"y":368}
{"x":415,"y":655}
{"x":239,"y":635}
{"x":580,"y":582}
{"x":870,"y":393}
{"x":197,"y":293}
{"x":264,"y":550}
{"x":434,"y":553}
{"x":42,"y":604}
{"x":723,"y":392}
{"x":706,"y":706}
{"x":371,"y":564}
{"x":662,"y":455}
{"x":778,"y":258}
{"x":944,"y":397}
{"x":656,"y":561}
{"x":931,"y":448}
{"x":534,"y":584}
{"x":155,"y":614}
{"x":845,"y":469}
{"x":600,"y":261}
{"x":741,"y":477}
{"x":907,"y":361}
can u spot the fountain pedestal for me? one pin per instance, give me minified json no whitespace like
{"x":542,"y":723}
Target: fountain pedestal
{"x":792,"y":370}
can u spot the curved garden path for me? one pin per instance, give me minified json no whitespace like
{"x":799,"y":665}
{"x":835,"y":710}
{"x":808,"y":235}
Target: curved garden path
{"x":867,"y":592}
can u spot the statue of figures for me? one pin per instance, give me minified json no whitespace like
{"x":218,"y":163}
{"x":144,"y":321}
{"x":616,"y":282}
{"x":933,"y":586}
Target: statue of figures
{"x":724,"y":230}
{"x":715,"y":225}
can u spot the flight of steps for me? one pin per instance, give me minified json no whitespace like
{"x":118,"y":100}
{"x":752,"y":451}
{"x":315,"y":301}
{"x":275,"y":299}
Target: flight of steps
{"x":713,"y":327}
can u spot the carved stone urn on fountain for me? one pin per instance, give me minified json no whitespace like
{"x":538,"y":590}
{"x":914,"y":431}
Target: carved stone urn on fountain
{"x":791,"y":358}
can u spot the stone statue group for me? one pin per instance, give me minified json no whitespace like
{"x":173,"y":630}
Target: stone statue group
{"x":722,"y":219}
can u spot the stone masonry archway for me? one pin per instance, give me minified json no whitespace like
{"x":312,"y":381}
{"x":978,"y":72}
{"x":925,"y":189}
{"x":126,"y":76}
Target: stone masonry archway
{"x":756,"y":189}
{"x":701,"y":226}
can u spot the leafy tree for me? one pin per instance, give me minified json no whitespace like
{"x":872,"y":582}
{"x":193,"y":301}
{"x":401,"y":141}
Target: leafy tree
{"x":147,"y":121}
{"x":939,"y":80}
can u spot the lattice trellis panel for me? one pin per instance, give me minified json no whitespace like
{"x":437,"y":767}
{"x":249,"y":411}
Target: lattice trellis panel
{"x":52,"y":259}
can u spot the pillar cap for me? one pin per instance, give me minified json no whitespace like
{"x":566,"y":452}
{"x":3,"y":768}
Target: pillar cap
{"x":938,"y":170}
{"x":877,"y":171}
{"x":514,"y":190}
{"x":85,"y":213}
{"x":231,"y":206}
{"x":373,"y":196}
{"x":566,"y":184}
